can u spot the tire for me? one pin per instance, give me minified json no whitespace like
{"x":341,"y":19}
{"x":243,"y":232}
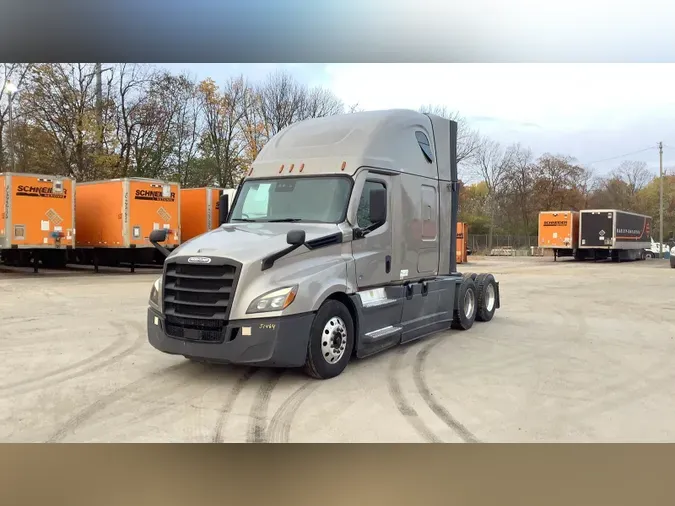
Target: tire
{"x":323,"y":360}
{"x":465,"y":313}
{"x":649,"y":254}
{"x":486,"y":297}
{"x":672,"y":261}
{"x":471,"y":275}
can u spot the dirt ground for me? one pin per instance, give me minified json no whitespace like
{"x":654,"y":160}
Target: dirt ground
{"x":578,"y":352}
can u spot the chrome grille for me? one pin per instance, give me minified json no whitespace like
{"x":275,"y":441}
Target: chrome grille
{"x":197,"y":299}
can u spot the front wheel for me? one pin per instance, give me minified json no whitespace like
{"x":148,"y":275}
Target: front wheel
{"x":649,"y":254}
{"x":331,"y":341}
{"x":672,"y":261}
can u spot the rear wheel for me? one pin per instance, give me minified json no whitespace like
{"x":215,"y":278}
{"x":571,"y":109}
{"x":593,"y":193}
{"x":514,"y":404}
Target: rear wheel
{"x":331,"y":341}
{"x":486,"y":288}
{"x":465,"y":305}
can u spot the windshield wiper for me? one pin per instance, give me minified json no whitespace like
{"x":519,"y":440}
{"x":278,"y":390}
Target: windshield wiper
{"x":247,"y":220}
{"x":285,"y":220}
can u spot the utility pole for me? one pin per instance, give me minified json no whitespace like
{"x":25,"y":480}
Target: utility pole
{"x":660,"y":199}
{"x":99,"y":105}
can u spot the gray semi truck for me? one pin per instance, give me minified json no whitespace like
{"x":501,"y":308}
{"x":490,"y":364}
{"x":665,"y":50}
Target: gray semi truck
{"x":339,"y":243}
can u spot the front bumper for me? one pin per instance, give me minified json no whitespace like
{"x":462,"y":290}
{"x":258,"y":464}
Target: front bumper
{"x":265,"y":342}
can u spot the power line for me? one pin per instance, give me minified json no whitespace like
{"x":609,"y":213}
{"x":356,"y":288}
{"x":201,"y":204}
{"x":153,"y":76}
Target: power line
{"x":622,"y":156}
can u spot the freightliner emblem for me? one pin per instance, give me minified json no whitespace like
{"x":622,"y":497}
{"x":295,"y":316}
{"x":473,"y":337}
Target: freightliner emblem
{"x":199,"y":260}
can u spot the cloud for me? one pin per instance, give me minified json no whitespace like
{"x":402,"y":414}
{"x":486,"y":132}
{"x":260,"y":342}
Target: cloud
{"x":590,"y":111}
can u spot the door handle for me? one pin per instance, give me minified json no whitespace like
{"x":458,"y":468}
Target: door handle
{"x":387,"y":264}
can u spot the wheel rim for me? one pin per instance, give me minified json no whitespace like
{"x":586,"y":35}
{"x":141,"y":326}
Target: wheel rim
{"x":469,"y":303}
{"x":333,"y":340}
{"x":490,"y":297}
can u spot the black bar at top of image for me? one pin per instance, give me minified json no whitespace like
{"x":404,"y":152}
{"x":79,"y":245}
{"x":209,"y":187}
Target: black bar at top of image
{"x":312,"y":31}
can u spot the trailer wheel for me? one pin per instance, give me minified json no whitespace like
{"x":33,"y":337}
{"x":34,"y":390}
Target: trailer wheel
{"x":486,"y":288}
{"x":465,"y":305}
{"x":331,"y":341}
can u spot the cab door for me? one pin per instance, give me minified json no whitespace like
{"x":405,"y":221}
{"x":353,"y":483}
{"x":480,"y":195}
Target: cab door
{"x":372,"y":253}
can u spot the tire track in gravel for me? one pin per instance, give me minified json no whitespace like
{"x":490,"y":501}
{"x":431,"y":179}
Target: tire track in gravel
{"x":120,"y":393}
{"x":279,"y":429}
{"x":406,"y":410}
{"x":258,"y":414}
{"x":107,"y":355}
{"x":226,"y":409}
{"x":443,"y":414}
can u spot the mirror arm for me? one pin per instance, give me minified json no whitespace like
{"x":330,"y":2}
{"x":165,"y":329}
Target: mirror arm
{"x":268,"y":261}
{"x":163,"y":250}
{"x":362,"y":232}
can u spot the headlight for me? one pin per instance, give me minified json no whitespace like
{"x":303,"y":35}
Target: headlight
{"x":156,"y":295}
{"x":273,"y":301}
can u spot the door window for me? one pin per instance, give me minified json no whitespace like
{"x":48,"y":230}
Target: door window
{"x":363,"y":212}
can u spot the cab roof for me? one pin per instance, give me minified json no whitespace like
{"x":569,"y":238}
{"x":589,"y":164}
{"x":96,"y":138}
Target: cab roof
{"x":390,"y":139}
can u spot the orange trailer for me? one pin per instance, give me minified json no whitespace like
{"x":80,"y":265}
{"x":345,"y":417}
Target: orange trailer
{"x":199,"y":209}
{"x":37,"y":218}
{"x":115,"y":218}
{"x":462,"y":242}
{"x":559,"y":231}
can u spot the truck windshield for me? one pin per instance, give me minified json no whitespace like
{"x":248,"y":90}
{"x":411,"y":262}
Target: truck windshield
{"x":312,"y":199}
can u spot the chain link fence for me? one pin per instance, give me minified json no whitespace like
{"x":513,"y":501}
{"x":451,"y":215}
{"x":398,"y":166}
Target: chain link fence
{"x":478,"y":244}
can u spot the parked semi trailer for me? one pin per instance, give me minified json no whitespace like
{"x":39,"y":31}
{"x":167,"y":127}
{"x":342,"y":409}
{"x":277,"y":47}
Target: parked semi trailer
{"x":37,"y":219}
{"x":340,"y":242}
{"x":615,"y":234}
{"x":115,"y":218}
{"x":199,"y":210}
{"x":559,"y":232}
{"x":462,"y":242}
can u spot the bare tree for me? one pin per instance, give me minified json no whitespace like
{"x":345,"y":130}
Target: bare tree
{"x":154,"y":147}
{"x":16,"y":73}
{"x":133,"y":82}
{"x":224,"y":139}
{"x":320,"y":102}
{"x":186,"y":129}
{"x":468,"y":139}
{"x":491,"y":164}
{"x":281,"y":101}
{"x":519,"y":181}
{"x":634,"y":174}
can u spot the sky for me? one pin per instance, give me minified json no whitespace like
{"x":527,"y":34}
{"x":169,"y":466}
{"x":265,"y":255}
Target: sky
{"x":601,"y":114}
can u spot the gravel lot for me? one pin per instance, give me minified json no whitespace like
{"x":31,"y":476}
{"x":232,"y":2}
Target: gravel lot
{"x":578,"y":352}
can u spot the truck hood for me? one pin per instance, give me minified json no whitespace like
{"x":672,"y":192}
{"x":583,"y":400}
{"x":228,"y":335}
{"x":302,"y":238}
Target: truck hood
{"x":246,"y":242}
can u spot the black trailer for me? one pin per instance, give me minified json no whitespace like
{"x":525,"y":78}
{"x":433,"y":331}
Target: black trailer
{"x":615,"y":234}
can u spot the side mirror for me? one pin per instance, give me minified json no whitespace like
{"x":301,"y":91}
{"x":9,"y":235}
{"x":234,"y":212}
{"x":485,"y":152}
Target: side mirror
{"x":295,"y":237}
{"x":378,"y":206}
{"x":223,"y":208}
{"x":158,"y":235}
